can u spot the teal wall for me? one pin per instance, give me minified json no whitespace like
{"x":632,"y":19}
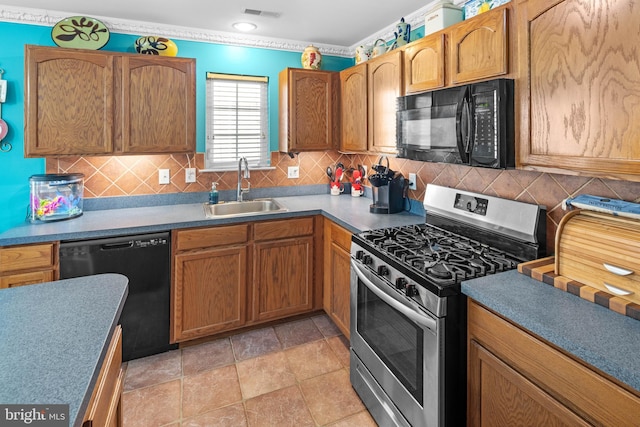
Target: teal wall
{"x":15,"y":170}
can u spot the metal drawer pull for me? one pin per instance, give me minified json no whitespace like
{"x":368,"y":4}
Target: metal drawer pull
{"x":617,"y":270}
{"x":617,"y":290}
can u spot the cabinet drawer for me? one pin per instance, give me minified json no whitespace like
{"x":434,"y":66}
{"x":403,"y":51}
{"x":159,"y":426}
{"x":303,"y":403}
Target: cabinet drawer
{"x":106,"y":394}
{"x":341,"y":237}
{"x":269,"y":230}
{"x":602,"y":251}
{"x":27,"y":257}
{"x":211,"y":237}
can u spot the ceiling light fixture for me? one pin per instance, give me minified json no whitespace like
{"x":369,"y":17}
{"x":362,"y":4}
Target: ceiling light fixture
{"x":244,"y":26}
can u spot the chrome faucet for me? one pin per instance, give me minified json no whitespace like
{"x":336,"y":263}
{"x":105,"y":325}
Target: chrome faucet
{"x":241,"y":190}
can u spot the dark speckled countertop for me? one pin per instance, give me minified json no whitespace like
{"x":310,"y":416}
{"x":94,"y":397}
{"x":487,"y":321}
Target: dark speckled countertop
{"x":350,"y":212}
{"x":54,"y":337}
{"x":601,"y":337}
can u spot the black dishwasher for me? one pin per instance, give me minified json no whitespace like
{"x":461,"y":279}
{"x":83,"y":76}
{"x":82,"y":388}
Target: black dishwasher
{"x":145,"y":259}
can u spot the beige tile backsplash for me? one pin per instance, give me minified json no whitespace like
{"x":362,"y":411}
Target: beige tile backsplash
{"x":138,"y":175}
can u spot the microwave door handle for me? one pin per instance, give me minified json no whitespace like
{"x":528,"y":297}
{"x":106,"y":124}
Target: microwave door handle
{"x":469,"y":140}
{"x":462,"y":114}
{"x":414,"y":316}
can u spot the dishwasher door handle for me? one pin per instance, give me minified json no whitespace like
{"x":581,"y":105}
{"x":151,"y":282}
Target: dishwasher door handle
{"x":119,"y":245}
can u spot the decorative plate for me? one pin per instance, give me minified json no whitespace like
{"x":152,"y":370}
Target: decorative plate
{"x":80,"y":32}
{"x":156,"y":45}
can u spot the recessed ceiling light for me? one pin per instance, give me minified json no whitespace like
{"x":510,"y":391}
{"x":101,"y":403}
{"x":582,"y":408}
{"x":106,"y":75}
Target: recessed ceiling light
{"x":244,"y":26}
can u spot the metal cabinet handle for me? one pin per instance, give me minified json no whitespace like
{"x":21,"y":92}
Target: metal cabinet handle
{"x":617,"y":291}
{"x":617,"y":270}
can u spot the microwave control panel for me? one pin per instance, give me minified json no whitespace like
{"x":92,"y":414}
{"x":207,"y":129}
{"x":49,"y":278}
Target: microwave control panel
{"x":485,"y":138}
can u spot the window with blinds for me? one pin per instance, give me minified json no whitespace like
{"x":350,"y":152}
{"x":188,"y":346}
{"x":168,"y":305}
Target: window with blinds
{"x":237,"y":121}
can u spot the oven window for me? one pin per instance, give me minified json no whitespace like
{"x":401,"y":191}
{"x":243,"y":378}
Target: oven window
{"x":396,"y":340}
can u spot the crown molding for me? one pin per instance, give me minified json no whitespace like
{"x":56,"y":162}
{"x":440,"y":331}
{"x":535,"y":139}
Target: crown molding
{"x":124,"y":26}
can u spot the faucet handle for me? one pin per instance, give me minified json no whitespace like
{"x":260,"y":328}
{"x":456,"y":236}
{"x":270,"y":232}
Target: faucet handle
{"x":246,"y":190}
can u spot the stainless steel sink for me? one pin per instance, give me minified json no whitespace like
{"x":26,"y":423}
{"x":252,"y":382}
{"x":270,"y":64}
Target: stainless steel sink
{"x":249,"y":207}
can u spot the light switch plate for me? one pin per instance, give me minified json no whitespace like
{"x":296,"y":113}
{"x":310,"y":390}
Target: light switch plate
{"x":412,"y":182}
{"x":163,"y":176}
{"x":190,"y":175}
{"x":293,"y":172}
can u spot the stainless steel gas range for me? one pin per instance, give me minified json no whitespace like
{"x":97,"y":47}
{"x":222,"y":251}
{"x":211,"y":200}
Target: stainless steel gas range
{"x":408,"y":316}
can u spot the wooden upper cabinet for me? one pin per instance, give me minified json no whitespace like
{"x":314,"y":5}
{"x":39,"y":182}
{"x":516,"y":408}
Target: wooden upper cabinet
{"x":69,"y":102}
{"x":479,"y":47}
{"x":82,"y":102}
{"x":159,"y":105}
{"x":385,"y":85}
{"x":579,"y":92}
{"x":353,"y":97}
{"x":424,"y":64}
{"x":308,"y":109}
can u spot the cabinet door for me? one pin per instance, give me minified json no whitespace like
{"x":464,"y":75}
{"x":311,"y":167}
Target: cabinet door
{"x":28,"y":278}
{"x":158,"y":106}
{"x":478,"y":47}
{"x":424,"y":64}
{"x":353,"y":99}
{"x":579,"y":94}
{"x":282,"y":278}
{"x":385,"y":85}
{"x":307,"y":99}
{"x":209,"y":292}
{"x":337,"y":275}
{"x":69,"y":102}
{"x":500,"y":396}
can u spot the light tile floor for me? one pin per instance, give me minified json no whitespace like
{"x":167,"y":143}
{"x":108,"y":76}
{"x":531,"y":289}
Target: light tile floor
{"x":292,"y":374}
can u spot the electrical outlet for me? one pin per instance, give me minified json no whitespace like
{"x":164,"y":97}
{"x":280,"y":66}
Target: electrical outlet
{"x":190,"y":175}
{"x":293,"y":172}
{"x":412,"y":182}
{"x":163,"y":176}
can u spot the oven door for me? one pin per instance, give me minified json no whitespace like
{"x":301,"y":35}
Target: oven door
{"x":396,"y":365}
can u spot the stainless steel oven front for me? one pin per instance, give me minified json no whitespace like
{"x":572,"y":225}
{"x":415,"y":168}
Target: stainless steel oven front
{"x":397,"y":347}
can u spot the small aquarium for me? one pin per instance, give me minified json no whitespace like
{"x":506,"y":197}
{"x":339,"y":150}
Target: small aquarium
{"x":55,"y":197}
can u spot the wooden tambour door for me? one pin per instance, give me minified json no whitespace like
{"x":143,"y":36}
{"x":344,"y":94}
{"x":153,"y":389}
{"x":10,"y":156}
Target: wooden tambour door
{"x":158,"y":117}
{"x":424,"y":64}
{"x":385,"y":85}
{"x":58,"y":118}
{"x":579,"y":92}
{"x":479,"y":47}
{"x":353,"y":98}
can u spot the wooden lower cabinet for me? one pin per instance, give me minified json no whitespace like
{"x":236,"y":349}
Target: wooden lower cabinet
{"x":337,"y":270}
{"x":28,"y":264}
{"x":232,"y":276}
{"x":283,"y":268}
{"x":105,"y":406}
{"x":516,"y":379}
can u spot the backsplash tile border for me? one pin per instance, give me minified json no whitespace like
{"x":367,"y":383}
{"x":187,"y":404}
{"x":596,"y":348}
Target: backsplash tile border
{"x":116,"y":176}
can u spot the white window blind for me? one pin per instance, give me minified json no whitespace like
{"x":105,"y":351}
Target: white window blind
{"x":237,"y":121}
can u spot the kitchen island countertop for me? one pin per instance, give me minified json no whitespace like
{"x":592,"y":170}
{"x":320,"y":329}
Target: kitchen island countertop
{"x":54,"y":337}
{"x":349,"y":212}
{"x":600,"y":337}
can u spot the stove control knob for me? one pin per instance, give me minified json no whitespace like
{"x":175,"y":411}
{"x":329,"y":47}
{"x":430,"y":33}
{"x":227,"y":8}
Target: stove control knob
{"x":359,"y":255}
{"x":401,"y":282}
{"x":366,"y":259}
{"x":410,"y":290}
{"x":383,"y":270}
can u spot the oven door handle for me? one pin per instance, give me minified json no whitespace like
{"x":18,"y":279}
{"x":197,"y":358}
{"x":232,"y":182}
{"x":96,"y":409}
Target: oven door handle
{"x":420,"y":319}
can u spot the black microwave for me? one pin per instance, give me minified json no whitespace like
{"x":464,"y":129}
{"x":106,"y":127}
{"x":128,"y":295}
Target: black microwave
{"x":471,"y":125}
